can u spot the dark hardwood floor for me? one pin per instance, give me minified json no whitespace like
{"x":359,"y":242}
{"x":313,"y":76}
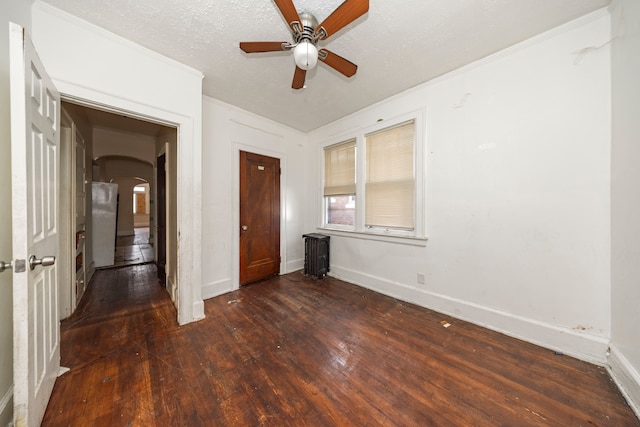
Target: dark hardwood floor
{"x":291,"y":351}
{"x":134,"y":249}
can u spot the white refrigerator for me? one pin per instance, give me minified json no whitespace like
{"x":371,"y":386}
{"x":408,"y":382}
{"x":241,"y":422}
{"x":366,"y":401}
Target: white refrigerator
{"x":104,"y":210}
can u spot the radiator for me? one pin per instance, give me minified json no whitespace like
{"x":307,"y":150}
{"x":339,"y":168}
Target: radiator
{"x":316,"y":255}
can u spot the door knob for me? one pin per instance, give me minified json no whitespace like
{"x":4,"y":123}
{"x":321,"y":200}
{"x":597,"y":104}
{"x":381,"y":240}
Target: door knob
{"x":245,"y":228}
{"x":5,"y":266}
{"x":44,"y":261}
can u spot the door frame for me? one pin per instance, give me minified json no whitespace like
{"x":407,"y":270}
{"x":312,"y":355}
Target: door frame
{"x":249,"y":271}
{"x":236,"y":206}
{"x":188,"y":301}
{"x":159,"y":206}
{"x":66,"y":252}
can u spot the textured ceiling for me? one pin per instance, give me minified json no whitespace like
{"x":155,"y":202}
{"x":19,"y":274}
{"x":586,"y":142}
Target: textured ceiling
{"x":396,"y":45}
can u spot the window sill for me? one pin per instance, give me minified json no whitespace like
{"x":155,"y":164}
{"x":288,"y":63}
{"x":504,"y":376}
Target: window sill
{"x":378,"y":237}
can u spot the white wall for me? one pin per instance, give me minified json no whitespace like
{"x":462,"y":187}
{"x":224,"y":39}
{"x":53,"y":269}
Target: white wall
{"x":111,"y":142}
{"x":18,"y":11}
{"x":125,"y":223}
{"x":119,"y":167}
{"x":89,"y":63}
{"x":517,"y":190}
{"x":226,"y":131}
{"x":625,"y":199}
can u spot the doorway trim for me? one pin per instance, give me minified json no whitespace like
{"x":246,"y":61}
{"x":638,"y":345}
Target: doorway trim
{"x":237,"y":147}
{"x":189,"y":303}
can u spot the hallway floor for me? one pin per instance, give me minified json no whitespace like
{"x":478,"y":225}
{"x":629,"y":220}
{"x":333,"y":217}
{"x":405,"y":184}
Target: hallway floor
{"x":133,"y":250}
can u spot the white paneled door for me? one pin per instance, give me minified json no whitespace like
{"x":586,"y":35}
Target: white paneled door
{"x":35,"y":143}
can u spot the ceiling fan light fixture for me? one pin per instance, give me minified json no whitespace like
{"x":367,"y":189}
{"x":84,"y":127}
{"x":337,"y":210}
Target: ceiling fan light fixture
{"x":306,"y":33}
{"x":305,"y":55}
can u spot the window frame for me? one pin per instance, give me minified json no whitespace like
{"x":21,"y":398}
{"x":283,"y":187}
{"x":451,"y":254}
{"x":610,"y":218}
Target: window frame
{"x":325,"y":201}
{"x":417,"y":236}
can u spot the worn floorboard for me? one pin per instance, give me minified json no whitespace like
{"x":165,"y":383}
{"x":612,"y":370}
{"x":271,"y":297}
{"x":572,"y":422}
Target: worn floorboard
{"x":291,"y":351}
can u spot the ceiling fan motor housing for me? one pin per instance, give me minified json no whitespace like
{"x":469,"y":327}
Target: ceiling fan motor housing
{"x":309,"y":24}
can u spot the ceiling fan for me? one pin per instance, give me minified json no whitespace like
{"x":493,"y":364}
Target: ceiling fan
{"x":307,"y":32}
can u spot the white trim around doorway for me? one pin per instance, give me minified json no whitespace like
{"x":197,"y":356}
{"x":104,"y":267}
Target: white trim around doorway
{"x":189,"y":303}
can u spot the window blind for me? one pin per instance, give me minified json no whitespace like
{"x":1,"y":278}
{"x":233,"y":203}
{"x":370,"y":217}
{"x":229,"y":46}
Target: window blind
{"x":340,"y":169}
{"x":390,"y":178}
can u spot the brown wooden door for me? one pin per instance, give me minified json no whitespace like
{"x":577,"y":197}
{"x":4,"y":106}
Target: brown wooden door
{"x":259,"y":217}
{"x":161,"y":240}
{"x":141,"y":203}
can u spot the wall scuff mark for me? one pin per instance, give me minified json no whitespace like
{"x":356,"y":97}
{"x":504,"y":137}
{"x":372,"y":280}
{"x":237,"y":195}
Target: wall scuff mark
{"x":580,"y":54}
{"x":462,"y":101}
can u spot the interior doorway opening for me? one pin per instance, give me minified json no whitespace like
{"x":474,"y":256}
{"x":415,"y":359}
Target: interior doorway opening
{"x":141,"y":205}
{"x":120,"y":150}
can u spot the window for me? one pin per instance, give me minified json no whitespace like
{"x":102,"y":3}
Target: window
{"x":340,"y":184}
{"x":389,"y":180}
{"x":341,"y":210}
{"x":373,"y":183}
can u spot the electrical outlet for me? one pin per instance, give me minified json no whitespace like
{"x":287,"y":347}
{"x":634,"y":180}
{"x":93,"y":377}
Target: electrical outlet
{"x":421,"y":278}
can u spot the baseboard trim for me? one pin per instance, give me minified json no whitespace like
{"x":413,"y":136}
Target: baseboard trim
{"x":626,"y":377}
{"x":214,"y":289}
{"x":220,"y":287}
{"x":6,"y":400}
{"x":583,"y":346}
{"x":198,"y":310}
{"x":294,"y":265}
{"x":172,"y":289}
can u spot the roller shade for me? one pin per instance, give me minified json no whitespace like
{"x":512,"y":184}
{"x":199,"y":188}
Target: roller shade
{"x":340,"y":169}
{"x":390,"y":178}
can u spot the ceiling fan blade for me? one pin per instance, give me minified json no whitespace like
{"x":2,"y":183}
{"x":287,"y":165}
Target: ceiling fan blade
{"x":346,"y":13}
{"x":288,"y":10}
{"x":253,"y":47}
{"x":337,"y":62}
{"x":298,"y":78}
